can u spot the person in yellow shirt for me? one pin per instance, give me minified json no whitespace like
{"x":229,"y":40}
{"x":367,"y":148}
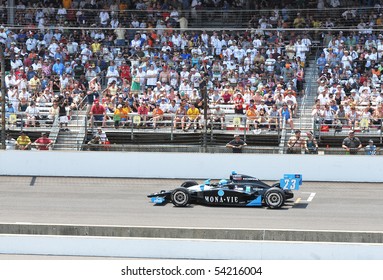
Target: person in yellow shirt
{"x":96,"y":46}
{"x":126,"y":110}
{"x":118,"y":116}
{"x":252,"y":117}
{"x":23,"y":142}
{"x":193,"y":115}
{"x":34,"y":84}
{"x":157,"y":115}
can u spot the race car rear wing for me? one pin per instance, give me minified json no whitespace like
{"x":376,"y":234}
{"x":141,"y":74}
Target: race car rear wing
{"x":291,"y":182}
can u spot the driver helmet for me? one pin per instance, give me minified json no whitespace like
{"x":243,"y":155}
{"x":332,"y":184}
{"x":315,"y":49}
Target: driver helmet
{"x":222,"y":182}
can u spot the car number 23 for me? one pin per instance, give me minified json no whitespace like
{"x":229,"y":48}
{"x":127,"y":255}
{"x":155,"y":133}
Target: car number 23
{"x":291,"y":181}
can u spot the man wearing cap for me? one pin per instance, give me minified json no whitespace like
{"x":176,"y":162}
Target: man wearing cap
{"x":351,"y":143}
{"x":98,"y":112}
{"x":311,"y":143}
{"x":296,"y":143}
{"x":218,"y":117}
{"x":58,"y":68}
{"x":370,"y":149}
{"x":236,"y":144}
{"x":118,"y":115}
{"x":10,"y":143}
{"x":43,"y":143}
{"x":102,"y":135}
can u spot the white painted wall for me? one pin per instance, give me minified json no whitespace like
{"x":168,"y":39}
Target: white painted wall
{"x":185,"y":249}
{"x":345,"y":168}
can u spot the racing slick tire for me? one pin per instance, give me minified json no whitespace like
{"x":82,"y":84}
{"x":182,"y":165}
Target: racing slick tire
{"x":180,"y":197}
{"x":188,"y":184}
{"x":274,"y":198}
{"x":288,"y":194}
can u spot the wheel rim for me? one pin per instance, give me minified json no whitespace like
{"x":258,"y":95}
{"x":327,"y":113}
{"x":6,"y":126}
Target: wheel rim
{"x":274,"y":199}
{"x":180,"y":197}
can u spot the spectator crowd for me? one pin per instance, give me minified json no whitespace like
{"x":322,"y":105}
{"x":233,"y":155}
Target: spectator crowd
{"x":350,"y":68}
{"x":151,"y":64}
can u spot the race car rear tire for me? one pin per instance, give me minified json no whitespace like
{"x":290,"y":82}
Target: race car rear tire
{"x":274,"y":198}
{"x":188,"y":184}
{"x":180,"y":197}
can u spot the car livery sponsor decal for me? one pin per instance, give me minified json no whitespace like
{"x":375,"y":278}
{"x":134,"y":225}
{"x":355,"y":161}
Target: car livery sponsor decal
{"x":291,"y":181}
{"x":158,"y":200}
{"x":241,"y":178}
{"x":221,"y":199}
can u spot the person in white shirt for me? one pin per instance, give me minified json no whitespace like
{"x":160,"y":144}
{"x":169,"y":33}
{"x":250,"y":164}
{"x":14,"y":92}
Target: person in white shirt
{"x":104,"y":18}
{"x":151,"y":76}
{"x":239,"y":53}
{"x":195,"y":78}
{"x":10,"y":80}
{"x":346,"y":60}
{"x":176,"y":40}
{"x":364,"y":87}
{"x":185,"y":89}
{"x":269,"y":63}
{"x":205,"y":38}
{"x":141,"y":75}
{"x":10,"y":143}
{"x":184,"y":74}
{"x":291,"y":102}
{"x":61,"y":13}
{"x":136,"y":42}
{"x":16,"y":63}
{"x":31,"y":43}
{"x":53,"y":47}
{"x":3,"y":35}
{"x":85,"y":55}
{"x":301,"y":50}
{"x":32,"y":113}
{"x":72,"y":47}
{"x":112,"y":73}
{"x":164,"y":105}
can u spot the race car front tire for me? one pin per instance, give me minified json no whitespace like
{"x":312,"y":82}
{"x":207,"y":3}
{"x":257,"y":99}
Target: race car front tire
{"x":274,"y":198}
{"x":180,"y":197}
{"x":188,"y":184}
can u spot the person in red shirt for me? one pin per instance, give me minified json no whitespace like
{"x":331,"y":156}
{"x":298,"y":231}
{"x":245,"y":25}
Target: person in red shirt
{"x":143,"y":111}
{"x":43,"y":143}
{"x":226,"y":96}
{"x":238,"y":104}
{"x":125,"y":72}
{"x":98,"y":113}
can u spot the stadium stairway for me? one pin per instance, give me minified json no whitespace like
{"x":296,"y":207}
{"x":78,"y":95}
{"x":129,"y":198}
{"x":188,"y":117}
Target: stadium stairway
{"x":304,"y":121}
{"x":75,"y":137}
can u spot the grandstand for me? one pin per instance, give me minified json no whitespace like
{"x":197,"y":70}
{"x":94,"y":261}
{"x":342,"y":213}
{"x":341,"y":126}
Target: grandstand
{"x":130,"y":56}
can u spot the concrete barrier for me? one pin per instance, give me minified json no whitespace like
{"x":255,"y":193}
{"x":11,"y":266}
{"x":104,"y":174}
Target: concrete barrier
{"x":194,"y":233}
{"x":215,"y":166}
{"x":185,"y":249}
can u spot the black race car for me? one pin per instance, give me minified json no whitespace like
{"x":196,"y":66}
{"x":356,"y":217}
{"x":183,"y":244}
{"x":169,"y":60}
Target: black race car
{"x":238,"y":190}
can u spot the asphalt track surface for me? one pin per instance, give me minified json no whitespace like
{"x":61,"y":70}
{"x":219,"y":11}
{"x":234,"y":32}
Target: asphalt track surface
{"x":123,"y":202}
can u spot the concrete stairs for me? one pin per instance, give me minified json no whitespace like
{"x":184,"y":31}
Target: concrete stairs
{"x":304,"y":121}
{"x":75,"y":137}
